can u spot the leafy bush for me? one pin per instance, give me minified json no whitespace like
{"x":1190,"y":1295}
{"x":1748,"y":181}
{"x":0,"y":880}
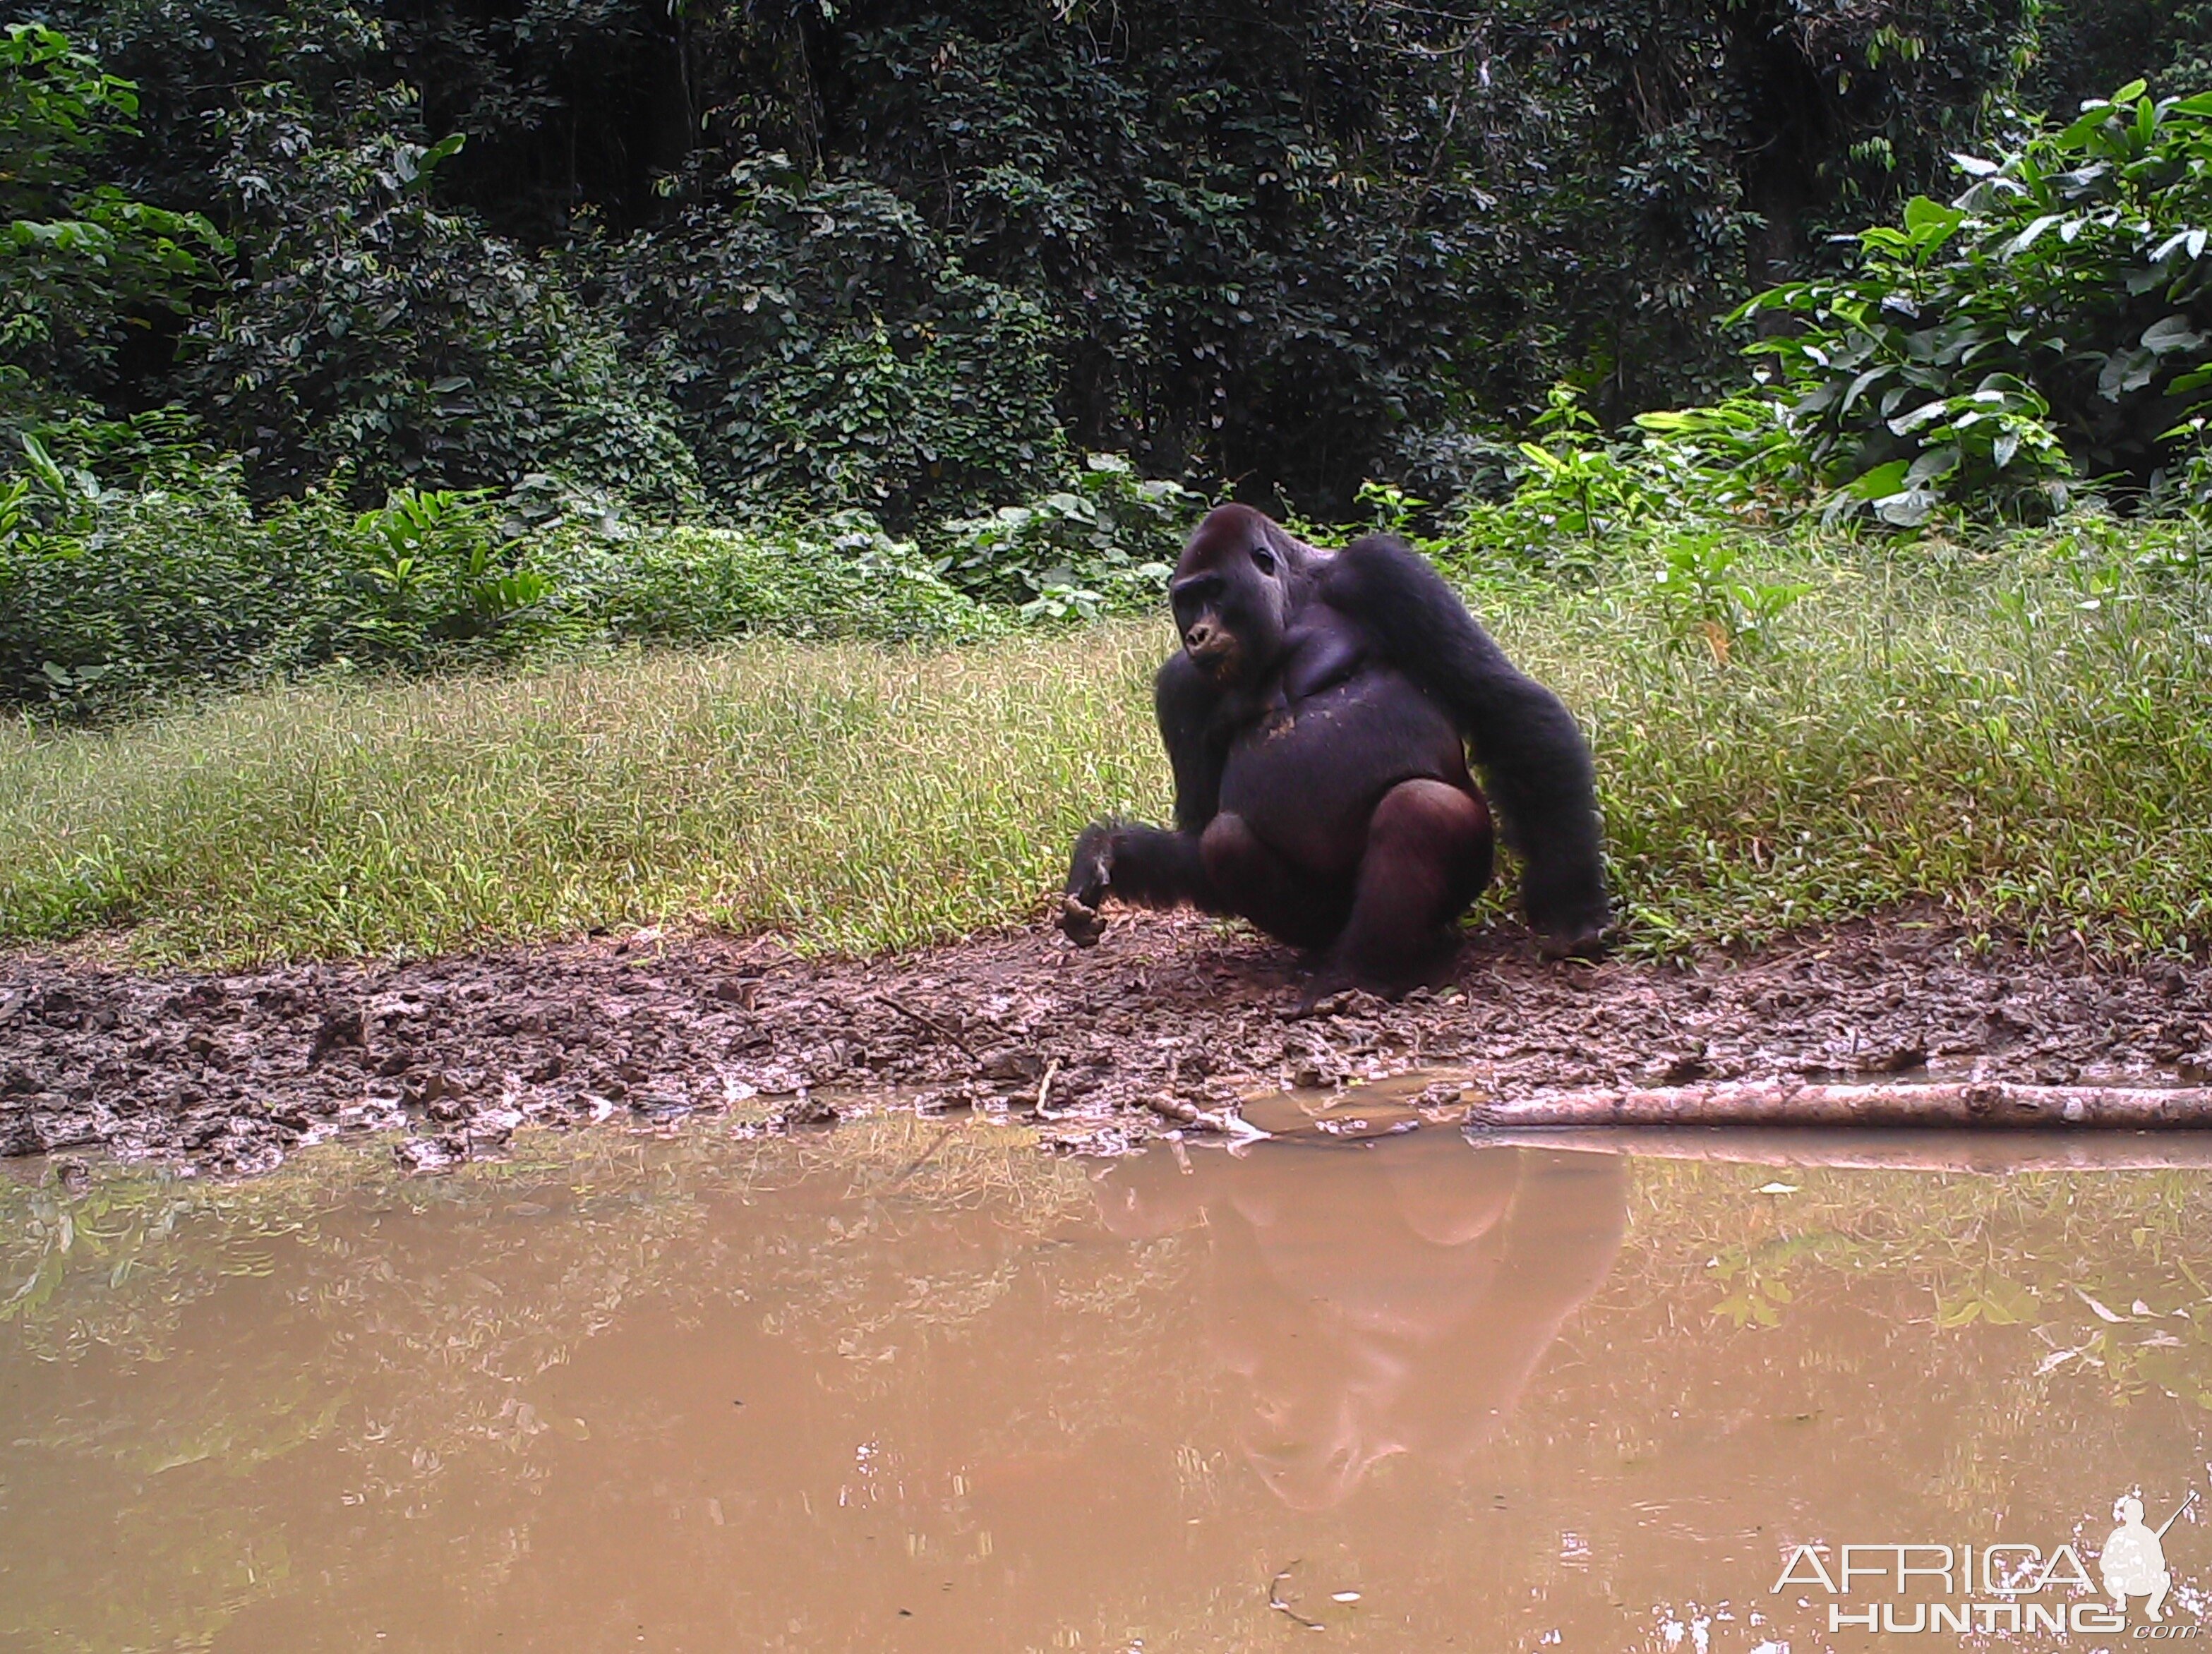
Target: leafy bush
{"x":2054,"y":322}
{"x":838,"y":577}
{"x":380,"y":334}
{"x":109,"y":595}
{"x":1579,"y":499}
{"x":1107,"y":543}
{"x":1712,"y":596}
{"x":427,"y":577}
{"x":111,"y":598}
{"x":78,"y":259}
{"x":828,"y":351}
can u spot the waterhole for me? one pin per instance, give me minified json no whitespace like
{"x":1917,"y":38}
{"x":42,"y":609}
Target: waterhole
{"x":912,"y":1383}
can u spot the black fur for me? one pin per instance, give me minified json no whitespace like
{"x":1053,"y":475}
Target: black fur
{"x":1316,"y":721}
{"x":1535,"y":765}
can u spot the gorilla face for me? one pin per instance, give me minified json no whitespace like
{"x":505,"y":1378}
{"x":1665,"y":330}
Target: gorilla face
{"x":1231,"y":594}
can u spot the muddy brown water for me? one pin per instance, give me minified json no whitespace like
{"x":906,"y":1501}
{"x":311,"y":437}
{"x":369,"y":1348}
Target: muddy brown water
{"x":911,"y":1384}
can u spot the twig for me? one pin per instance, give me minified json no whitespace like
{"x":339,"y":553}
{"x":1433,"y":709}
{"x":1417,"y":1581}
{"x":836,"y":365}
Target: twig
{"x":922,"y":1159}
{"x":1275,"y":1598}
{"x":1204,"y":1119}
{"x":1976,"y":1103}
{"x":930,"y":1023}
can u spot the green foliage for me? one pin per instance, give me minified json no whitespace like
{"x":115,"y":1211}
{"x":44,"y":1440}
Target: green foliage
{"x":1711,"y":596}
{"x":835,"y":577}
{"x":1582,"y":503}
{"x":2055,"y":322}
{"x":1335,"y":246}
{"x":112,"y":598}
{"x":80,"y":260}
{"x":383,"y":335}
{"x":2088,"y":46}
{"x":433,"y":581}
{"x":828,"y":350}
{"x":1575,"y":483}
{"x":1107,"y":543}
{"x":109,"y":595}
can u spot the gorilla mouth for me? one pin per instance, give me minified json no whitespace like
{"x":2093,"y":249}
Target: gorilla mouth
{"x":1217,"y":656}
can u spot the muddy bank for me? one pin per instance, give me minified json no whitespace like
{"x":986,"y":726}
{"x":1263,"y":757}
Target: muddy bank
{"x":453,"y":1053}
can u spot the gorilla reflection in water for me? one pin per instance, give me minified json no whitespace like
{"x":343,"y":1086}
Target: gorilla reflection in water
{"x":1389,"y":1298}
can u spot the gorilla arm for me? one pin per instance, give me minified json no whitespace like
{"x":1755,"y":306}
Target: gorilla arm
{"x":1146,"y":865}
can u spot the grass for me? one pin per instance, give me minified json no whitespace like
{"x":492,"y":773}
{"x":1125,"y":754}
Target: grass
{"x":2024,"y":737}
{"x":849,"y":796}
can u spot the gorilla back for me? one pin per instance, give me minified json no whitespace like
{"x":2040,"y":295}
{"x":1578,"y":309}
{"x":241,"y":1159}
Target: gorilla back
{"x":1316,"y":718}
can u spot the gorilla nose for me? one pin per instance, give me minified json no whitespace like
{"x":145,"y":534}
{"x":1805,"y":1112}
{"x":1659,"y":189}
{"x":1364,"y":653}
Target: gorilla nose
{"x":1201,"y":638}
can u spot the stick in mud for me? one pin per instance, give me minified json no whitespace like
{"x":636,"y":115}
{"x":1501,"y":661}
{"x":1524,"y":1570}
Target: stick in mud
{"x":1275,"y":1599}
{"x":928,"y":1023}
{"x":1194,"y":1118}
{"x":1975,"y":1103}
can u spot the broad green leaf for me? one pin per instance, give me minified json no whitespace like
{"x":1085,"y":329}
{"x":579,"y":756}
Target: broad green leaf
{"x":2029,"y":237}
{"x":1882,"y":480}
{"x":1927,"y":414}
{"x":1931,"y":464}
{"x":2170,"y":334}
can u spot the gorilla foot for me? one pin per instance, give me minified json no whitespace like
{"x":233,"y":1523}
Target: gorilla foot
{"x":1589,"y":946}
{"x":1436,"y":965}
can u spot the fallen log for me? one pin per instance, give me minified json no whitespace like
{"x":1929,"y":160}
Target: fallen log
{"x":1978,"y":1104}
{"x":1875,"y":1148}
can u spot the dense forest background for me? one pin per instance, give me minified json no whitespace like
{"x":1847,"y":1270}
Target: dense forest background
{"x":786,"y":254}
{"x":1819,"y":392}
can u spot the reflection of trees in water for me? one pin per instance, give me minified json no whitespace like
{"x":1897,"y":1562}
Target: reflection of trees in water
{"x":576,"y":1229}
{"x":218,"y":1329}
{"x":1382,"y":1300}
{"x":471,"y":1284}
{"x":2053,"y":1252}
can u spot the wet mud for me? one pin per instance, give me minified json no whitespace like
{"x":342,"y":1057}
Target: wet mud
{"x":1170,"y":1016}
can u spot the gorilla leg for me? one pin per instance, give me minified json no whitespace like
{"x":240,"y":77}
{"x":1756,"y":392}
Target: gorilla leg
{"x":1255,"y":882}
{"x":1428,"y":856}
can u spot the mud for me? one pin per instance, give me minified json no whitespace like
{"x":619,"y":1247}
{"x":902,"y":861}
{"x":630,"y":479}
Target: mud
{"x":229,"y":1071}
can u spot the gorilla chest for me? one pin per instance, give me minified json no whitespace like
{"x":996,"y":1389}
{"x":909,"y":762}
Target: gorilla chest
{"x":1306,"y":776}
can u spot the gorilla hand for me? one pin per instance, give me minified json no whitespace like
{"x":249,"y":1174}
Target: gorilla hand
{"x":1089,"y":874}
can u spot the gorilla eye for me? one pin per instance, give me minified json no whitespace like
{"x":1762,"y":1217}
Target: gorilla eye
{"x":1263,"y":559}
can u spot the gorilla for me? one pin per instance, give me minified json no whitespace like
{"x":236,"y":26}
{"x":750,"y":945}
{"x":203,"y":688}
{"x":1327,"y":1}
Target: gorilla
{"x":1404,"y":1309}
{"x":1318,"y":718}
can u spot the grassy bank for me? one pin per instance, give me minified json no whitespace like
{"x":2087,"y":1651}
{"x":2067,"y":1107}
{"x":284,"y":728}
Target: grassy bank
{"x":2024,"y":737}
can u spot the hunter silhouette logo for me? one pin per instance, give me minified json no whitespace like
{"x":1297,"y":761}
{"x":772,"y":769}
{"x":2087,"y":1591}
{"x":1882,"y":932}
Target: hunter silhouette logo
{"x":2133,"y":1561}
